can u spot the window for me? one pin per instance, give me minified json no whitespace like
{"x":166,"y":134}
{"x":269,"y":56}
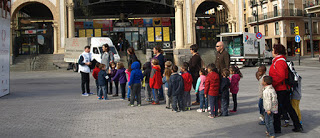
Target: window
{"x":275,"y":10}
{"x":292,"y":25}
{"x":277,"y":28}
{"x":306,"y":26}
{"x":245,"y":18}
{"x":291,"y":9}
{"x":265,"y":10}
{"x":95,"y":50}
{"x":315,"y":27}
{"x":266,"y":30}
{"x":255,"y":29}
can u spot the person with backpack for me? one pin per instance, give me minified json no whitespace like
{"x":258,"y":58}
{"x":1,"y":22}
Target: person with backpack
{"x":279,"y":72}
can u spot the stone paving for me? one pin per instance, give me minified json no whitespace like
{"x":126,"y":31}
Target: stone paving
{"x":49,"y":104}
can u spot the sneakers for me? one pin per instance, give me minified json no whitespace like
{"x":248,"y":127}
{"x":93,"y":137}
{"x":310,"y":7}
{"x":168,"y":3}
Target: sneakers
{"x":211,"y":116}
{"x":298,"y":130}
{"x":131,"y":105}
{"x":85,"y":94}
{"x":139,"y":105}
{"x":90,"y":93}
{"x":200,"y":110}
{"x":286,"y":123}
{"x":205,"y":110}
{"x":195,"y":103}
{"x":100,"y":98}
{"x":154,"y":103}
{"x":231,"y":111}
{"x":168,"y":107}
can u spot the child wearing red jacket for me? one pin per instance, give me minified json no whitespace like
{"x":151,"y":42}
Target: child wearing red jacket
{"x":187,"y":82}
{"x":211,"y":89}
{"x":155,"y":81}
{"x":95,"y":73}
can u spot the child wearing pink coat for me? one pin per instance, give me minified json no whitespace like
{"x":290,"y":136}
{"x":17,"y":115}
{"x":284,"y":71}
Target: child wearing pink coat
{"x":234,"y":86}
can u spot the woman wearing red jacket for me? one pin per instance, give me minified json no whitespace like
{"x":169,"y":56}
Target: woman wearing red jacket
{"x":211,"y":88}
{"x":279,"y":73}
{"x":155,"y":81}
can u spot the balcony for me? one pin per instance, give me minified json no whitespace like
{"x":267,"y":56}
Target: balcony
{"x":276,"y":15}
{"x":312,"y":7}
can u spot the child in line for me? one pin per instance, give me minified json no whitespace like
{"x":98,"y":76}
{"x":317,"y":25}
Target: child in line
{"x":135,"y":83}
{"x":224,"y":88}
{"x":270,"y":105}
{"x":259,"y":75}
{"x":200,"y":90}
{"x":187,"y":81}
{"x":121,"y":77}
{"x":176,"y":89}
{"x":165,"y":80}
{"x":128,"y":72}
{"x":112,"y":73}
{"x":146,"y":74}
{"x":95,"y":73}
{"x":102,"y":79}
{"x":234,"y":86}
{"x":211,"y":89}
{"x":155,"y":80}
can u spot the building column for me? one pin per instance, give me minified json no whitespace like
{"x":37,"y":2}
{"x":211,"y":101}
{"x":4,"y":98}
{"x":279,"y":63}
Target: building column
{"x":179,"y":24}
{"x":13,"y":35}
{"x":70,"y":6}
{"x":230,"y":27}
{"x":55,"y":38}
{"x":233,"y":27}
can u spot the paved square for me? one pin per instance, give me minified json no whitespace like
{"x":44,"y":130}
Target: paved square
{"x":49,"y":104}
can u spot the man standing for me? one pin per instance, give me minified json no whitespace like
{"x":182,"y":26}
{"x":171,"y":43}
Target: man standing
{"x":194,"y":67}
{"x":84,"y":63}
{"x":222,"y":57}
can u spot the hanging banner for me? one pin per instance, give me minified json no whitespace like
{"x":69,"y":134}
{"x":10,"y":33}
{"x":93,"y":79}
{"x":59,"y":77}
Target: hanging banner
{"x":4,"y":53}
{"x":138,"y":22}
{"x":82,"y":33}
{"x":88,"y":25}
{"x":158,"y":32}
{"x":89,"y":32}
{"x":150,"y":32}
{"x":166,"y":21}
{"x":157,"y":22}
{"x":166,"y":34}
{"x":79,"y":25}
{"x":97,"y":32}
{"x":147,"y":22}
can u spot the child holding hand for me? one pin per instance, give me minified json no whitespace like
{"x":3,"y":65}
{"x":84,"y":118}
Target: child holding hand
{"x":211,"y":89}
{"x":200,"y":90}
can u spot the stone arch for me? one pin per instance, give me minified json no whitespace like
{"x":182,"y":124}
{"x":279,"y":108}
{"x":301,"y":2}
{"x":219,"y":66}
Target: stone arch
{"x":18,"y":4}
{"x":226,"y":3}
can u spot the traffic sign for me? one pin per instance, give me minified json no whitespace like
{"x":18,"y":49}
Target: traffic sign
{"x":297,"y":38}
{"x":258,"y":35}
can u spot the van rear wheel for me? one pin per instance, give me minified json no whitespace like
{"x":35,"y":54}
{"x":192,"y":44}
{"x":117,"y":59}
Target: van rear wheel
{"x":75,"y":67}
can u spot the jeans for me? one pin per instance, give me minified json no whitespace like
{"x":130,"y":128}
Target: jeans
{"x":123,"y":90}
{"x":129,"y":92}
{"x":225,"y":104}
{"x":168,"y":99}
{"x":148,"y":91}
{"x":85,"y":81}
{"x":186,"y":99}
{"x":135,"y":92}
{"x":161,"y":95}
{"x":116,"y":85}
{"x":97,"y":88}
{"x":194,"y":83}
{"x":269,"y":123}
{"x":261,"y":109}
{"x":213,"y":105}
{"x":235,"y":102}
{"x":284,"y":100}
{"x":103,"y":90}
{"x":203,"y":100}
{"x":155,"y":95}
{"x":177,"y":100}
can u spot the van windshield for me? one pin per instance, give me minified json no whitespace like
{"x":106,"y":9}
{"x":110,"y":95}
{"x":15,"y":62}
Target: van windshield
{"x":113,"y":50}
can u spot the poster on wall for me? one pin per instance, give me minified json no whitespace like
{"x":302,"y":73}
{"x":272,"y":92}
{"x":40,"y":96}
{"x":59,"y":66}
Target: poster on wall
{"x":166,"y":21}
{"x":158,"y":34}
{"x":166,"y":34}
{"x":147,"y":22}
{"x":157,"y":22}
{"x":97,"y":32}
{"x":82,"y":33}
{"x":89,"y":32}
{"x":150,"y":32}
{"x":4,"y":53}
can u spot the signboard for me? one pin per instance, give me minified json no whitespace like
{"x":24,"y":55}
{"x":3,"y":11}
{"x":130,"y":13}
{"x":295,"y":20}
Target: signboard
{"x":82,"y":33}
{"x":158,"y":34}
{"x":147,"y":22}
{"x":258,"y":35}
{"x":250,"y":44}
{"x":166,"y":21}
{"x":4,"y":53}
{"x":166,"y":34}
{"x":150,"y":32}
{"x":97,"y":32}
{"x":89,"y":32}
{"x":157,"y":22}
{"x":297,"y":38}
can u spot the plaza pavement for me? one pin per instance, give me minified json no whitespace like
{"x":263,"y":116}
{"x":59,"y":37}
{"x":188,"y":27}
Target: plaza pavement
{"x":49,"y":104}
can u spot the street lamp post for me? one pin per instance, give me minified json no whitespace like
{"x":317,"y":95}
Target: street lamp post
{"x":256,"y":15}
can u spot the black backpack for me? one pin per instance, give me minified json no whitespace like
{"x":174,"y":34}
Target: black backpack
{"x":293,"y":76}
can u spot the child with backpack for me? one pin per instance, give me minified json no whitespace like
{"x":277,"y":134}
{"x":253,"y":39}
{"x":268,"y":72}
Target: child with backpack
{"x":224,"y":89}
{"x":234,"y":86}
{"x":211,"y":89}
{"x":146,"y":74}
{"x":176,"y":89}
{"x":200,"y":90}
{"x":155,"y":80}
{"x":165,"y":79}
{"x":135,"y":83}
{"x":121,"y":77}
{"x":259,"y":75}
{"x":187,"y":82}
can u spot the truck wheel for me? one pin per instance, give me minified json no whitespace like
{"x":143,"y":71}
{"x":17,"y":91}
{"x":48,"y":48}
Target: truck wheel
{"x":75,"y":67}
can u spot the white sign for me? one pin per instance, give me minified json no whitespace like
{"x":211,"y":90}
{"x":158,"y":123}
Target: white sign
{"x":4,"y":54}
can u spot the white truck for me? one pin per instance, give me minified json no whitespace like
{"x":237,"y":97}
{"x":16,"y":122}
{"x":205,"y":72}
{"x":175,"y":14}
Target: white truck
{"x":75,"y":46}
{"x":243,"y":48}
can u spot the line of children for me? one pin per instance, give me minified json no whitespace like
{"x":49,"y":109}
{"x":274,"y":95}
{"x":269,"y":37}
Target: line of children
{"x":165,"y":79}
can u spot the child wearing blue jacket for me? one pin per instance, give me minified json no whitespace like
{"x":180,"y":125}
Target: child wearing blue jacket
{"x":136,"y":77}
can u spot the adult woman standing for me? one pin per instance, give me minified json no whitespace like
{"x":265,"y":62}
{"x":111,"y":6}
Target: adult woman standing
{"x":159,"y":55}
{"x":279,"y":73}
{"x":194,"y":67}
{"x":131,"y":56}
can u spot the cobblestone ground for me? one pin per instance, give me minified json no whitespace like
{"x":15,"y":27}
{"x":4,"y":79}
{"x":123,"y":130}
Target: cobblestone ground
{"x":49,"y":104}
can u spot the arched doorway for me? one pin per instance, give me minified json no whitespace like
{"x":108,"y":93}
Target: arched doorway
{"x":33,"y":32}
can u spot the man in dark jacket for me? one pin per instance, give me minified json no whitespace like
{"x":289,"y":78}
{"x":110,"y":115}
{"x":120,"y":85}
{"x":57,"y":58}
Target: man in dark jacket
{"x":222,"y":57}
{"x":176,"y":89}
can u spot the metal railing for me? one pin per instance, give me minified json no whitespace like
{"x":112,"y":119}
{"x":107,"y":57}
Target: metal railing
{"x":277,"y":13}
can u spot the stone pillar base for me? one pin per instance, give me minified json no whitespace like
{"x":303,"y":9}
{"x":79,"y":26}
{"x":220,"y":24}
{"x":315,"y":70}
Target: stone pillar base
{"x":181,"y":55}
